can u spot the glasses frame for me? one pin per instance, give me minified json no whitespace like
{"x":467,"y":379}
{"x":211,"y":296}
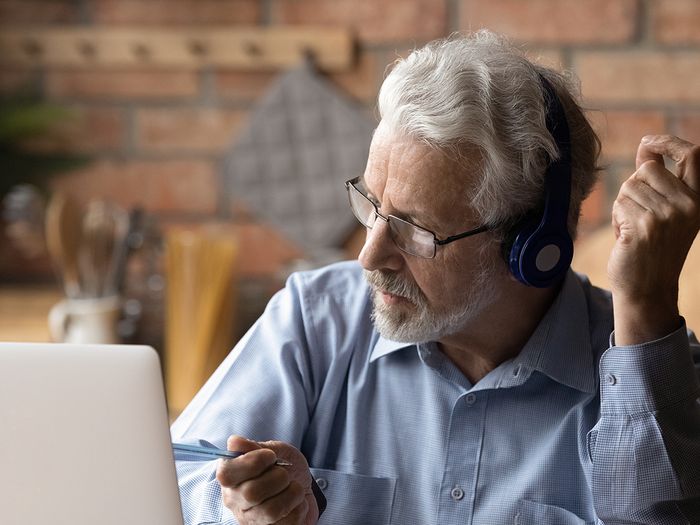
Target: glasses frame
{"x":351,"y":185}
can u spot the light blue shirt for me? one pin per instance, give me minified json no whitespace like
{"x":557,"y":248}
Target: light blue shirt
{"x":571,"y":431}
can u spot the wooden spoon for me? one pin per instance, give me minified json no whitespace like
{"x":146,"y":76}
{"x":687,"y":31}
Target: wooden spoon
{"x":63,"y":237}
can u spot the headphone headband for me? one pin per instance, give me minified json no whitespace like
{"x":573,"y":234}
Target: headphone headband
{"x":558,"y":175}
{"x":543,"y":249}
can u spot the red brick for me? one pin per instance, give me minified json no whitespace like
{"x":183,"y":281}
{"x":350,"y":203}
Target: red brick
{"x":174,"y":186}
{"x":551,"y":58}
{"x":676,"y":21}
{"x":362,"y":81}
{"x":554,"y":21}
{"x":125,"y":84}
{"x":176,"y":12}
{"x":238,"y":85}
{"x":86,"y":130}
{"x":688,"y":127}
{"x":38,"y":12}
{"x":637,"y":76}
{"x":621,"y":131}
{"x":193,"y":130}
{"x":373,"y":21}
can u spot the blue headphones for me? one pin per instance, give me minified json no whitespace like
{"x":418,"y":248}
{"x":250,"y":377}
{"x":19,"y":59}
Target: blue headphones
{"x":542,"y":248}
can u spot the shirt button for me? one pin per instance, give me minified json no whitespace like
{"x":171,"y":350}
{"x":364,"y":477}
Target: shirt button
{"x":457,"y":493}
{"x":322,"y":483}
{"x":470,"y":399}
{"x":610,"y":379}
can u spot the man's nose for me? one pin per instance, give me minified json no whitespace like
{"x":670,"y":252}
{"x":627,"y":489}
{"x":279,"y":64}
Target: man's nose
{"x":380,"y":251}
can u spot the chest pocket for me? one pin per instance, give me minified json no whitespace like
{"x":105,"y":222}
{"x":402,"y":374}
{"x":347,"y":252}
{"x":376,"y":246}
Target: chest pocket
{"x":533,"y":513}
{"x":354,"y":499}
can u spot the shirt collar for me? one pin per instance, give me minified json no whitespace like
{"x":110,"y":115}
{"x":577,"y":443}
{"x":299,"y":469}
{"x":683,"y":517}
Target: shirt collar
{"x":560,"y":347}
{"x":386,"y":346}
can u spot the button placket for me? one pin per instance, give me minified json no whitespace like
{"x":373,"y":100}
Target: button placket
{"x":465,"y":440}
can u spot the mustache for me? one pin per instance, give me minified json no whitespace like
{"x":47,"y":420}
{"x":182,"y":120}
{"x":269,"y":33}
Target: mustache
{"x":394,"y":284}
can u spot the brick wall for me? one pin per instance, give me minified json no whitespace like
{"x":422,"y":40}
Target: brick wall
{"x":157,"y":137}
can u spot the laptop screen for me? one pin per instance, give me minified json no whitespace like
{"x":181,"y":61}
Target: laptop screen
{"x":84,"y":436}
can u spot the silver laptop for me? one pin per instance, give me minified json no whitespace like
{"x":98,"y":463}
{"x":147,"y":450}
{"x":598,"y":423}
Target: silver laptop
{"x":84,"y":437}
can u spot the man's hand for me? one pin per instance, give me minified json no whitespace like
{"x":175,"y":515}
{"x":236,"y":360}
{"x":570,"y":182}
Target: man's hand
{"x":259,"y":492}
{"x":656,"y":217}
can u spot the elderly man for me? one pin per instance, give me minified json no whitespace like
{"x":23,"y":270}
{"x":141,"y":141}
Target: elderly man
{"x":460,"y":373}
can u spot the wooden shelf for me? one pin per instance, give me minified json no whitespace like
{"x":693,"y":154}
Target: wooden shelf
{"x":246,"y":48}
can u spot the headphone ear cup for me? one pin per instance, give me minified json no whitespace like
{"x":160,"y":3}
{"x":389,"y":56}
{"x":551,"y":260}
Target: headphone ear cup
{"x":540,"y":254}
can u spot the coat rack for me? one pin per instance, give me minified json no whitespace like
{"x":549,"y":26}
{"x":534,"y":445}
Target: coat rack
{"x":244,"y":48}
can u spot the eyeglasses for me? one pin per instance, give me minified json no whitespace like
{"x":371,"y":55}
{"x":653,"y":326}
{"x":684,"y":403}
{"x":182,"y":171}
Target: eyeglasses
{"x":408,"y":237}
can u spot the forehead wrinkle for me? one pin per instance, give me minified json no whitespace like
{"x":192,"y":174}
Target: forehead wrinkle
{"x":435,"y":191}
{"x":413,"y":180}
{"x":409,"y":172}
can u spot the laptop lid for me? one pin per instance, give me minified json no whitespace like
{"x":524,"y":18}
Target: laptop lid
{"x":84,"y":437}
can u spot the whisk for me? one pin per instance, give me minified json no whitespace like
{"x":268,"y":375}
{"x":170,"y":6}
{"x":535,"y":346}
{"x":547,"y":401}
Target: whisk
{"x":104,"y":231}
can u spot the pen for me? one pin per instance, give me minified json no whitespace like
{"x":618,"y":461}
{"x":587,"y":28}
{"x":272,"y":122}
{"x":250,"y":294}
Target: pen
{"x":208,"y":451}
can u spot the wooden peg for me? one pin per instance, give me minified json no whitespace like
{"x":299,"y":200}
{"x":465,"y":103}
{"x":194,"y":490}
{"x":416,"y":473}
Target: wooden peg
{"x":87,"y":49}
{"x":252,"y":49}
{"x":141,"y":51}
{"x":197,"y":48}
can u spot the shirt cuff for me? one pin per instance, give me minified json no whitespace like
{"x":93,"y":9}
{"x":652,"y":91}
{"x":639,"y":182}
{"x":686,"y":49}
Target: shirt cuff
{"x":647,"y":377}
{"x":320,"y":497}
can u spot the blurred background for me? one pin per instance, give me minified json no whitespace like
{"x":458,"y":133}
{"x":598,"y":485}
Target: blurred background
{"x":165,"y":164}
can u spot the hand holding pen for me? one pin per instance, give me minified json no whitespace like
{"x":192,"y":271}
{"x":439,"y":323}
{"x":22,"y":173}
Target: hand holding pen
{"x":205,"y":450}
{"x":256,"y":489}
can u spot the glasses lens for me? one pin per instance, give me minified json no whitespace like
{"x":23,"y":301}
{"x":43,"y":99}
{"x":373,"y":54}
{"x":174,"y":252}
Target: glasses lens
{"x":412,"y":239}
{"x":361,"y":207}
{"x":408,"y":237}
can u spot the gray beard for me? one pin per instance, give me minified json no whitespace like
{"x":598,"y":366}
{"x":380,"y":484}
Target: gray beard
{"x":422,"y":323}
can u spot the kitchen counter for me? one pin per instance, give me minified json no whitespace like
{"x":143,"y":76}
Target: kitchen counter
{"x":24,"y":309}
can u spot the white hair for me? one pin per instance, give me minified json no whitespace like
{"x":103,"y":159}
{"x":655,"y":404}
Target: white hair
{"x":480,"y":100}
